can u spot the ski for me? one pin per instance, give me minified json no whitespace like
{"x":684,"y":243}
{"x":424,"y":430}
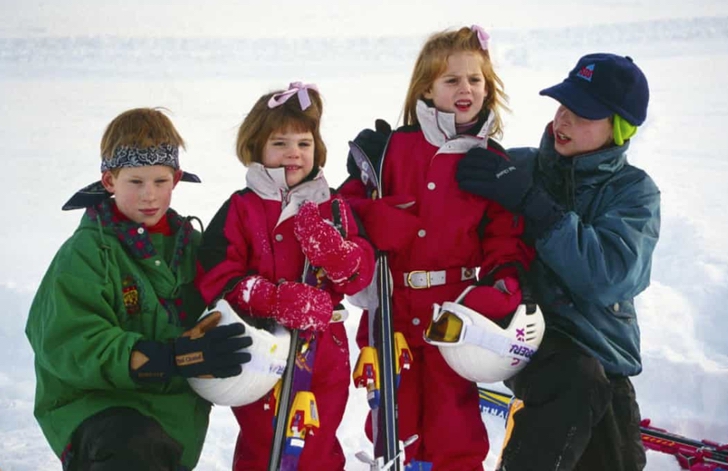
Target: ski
{"x":283,"y":401}
{"x":691,"y":454}
{"x":381,"y":384}
{"x":297,"y":414}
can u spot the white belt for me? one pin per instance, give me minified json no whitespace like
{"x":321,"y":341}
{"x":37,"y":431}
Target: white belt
{"x":419,"y":279}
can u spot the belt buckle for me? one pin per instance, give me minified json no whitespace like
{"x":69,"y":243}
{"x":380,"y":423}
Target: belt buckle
{"x":417,"y":272}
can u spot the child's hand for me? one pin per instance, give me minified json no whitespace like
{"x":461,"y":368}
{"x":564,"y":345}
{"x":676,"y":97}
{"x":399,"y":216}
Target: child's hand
{"x":493,"y":176}
{"x":488,"y":174}
{"x":497,"y":301}
{"x":373,"y":143}
{"x":323,"y":244}
{"x":214,"y":352}
{"x":292,"y":304}
{"x":205,"y":350}
{"x":300,"y":306}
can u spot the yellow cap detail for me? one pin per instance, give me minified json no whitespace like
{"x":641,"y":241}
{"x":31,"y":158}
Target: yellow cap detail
{"x":622,"y":130}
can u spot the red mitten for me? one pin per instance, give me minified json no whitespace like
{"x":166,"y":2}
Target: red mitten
{"x":323,"y":245}
{"x":388,"y":224}
{"x":292,"y":304}
{"x":300,"y":306}
{"x":497,"y":301}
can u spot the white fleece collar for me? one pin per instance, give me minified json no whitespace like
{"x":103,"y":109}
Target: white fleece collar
{"x":270,"y":184}
{"x":439,"y":130}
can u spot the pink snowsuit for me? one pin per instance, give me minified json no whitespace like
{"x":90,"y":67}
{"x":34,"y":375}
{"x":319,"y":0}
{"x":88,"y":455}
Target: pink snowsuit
{"x":452,"y":233}
{"x":253,"y":234}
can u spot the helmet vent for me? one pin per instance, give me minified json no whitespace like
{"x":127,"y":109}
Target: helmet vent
{"x":531,"y":332}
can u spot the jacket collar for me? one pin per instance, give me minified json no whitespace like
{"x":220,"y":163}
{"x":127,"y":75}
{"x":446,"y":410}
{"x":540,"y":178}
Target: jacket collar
{"x":135,"y":236}
{"x":586,"y":169}
{"x":166,"y":279}
{"x":270,"y":184}
{"x":440,"y":131}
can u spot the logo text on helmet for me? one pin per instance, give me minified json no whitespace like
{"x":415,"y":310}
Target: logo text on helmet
{"x":521,"y":351}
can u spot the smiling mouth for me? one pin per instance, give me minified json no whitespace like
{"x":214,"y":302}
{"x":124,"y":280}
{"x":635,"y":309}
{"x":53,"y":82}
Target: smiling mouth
{"x":292,"y":168}
{"x":561,"y":138}
{"x":463,"y":105}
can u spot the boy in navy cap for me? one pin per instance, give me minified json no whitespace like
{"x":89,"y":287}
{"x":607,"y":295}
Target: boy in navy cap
{"x":594,"y":220}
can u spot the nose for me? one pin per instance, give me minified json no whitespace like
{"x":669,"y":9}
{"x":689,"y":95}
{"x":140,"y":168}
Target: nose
{"x":564,"y":115}
{"x":294,"y":152}
{"x":148,"y":192}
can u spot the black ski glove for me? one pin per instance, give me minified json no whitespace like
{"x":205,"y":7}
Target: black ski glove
{"x":492,"y":176}
{"x":205,"y":350}
{"x":372,"y":142}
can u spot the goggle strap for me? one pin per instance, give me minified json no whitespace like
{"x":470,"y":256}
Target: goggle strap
{"x":499,"y":344}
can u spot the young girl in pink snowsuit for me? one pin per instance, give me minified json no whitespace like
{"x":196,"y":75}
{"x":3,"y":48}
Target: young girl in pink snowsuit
{"x":253,"y":255}
{"x":437,"y":235}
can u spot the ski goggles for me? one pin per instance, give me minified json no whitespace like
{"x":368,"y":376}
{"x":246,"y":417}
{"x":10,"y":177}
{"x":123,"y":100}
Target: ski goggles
{"x":446,"y":327}
{"x":452,"y":326}
{"x":449,"y":323}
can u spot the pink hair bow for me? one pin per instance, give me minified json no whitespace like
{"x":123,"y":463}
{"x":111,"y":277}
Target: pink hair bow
{"x":483,"y":37}
{"x":295,"y":88}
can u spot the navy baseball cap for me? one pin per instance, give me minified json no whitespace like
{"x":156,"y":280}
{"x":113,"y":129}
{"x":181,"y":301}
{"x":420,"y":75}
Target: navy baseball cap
{"x":602,"y":85}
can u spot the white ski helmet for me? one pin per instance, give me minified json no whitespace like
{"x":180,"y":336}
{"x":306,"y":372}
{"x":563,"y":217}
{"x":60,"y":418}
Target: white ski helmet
{"x":268,"y":352}
{"x":477,"y":348}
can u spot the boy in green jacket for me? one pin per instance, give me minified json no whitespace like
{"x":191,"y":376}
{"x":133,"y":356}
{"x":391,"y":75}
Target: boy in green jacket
{"x":113,"y":322}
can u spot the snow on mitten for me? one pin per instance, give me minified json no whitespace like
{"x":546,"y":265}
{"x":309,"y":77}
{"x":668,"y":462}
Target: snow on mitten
{"x":323,"y":244}
{"x":301,"y":306}
{"x":292,"y":304}
{"x":497,"y":301}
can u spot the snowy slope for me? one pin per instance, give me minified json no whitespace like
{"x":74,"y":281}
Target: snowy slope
{"x":64,"y":73}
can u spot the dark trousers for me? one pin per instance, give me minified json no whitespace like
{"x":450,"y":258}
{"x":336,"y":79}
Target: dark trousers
{"x":122,"y":439}
{"x":574,"y":417}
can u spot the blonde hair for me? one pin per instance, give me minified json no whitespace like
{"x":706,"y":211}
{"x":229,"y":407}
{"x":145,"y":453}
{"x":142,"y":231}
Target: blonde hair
{"x":432,"y":63}
{"x":263,"y":121}
{"x":141,"y":128}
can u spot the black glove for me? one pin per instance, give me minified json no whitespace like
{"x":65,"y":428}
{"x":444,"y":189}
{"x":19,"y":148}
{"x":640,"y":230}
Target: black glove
{"x":495,"y":177}
{"x":372,"y":142}
{"x":207,"y":352}
{"x":492,"y":176}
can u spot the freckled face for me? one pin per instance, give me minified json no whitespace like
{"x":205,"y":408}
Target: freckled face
{"x":574,"y":135}
{"x":143,"y":194}
{"x":293,"y":151}
{"x":461,"y":88}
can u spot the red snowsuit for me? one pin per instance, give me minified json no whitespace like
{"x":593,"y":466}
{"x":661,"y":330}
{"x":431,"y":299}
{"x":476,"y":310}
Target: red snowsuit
{"x":455,"y":231}
{"x":252,"y":234}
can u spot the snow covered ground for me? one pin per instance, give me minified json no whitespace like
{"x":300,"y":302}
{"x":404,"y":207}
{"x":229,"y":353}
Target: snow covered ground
{"x":66,"y":71}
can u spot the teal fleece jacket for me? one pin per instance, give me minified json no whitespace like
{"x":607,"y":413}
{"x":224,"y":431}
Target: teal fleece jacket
{"x":593,"y":262}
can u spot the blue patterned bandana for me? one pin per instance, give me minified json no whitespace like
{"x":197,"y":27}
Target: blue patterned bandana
{"x":126,"y":156}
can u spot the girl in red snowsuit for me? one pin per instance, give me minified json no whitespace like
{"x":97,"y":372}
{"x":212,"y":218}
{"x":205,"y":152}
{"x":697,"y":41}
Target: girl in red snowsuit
{"x":253,"y":255}
{"x":436,"y":236}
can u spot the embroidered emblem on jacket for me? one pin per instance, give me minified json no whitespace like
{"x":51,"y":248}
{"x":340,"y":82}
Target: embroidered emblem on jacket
{"x":130,"y":293}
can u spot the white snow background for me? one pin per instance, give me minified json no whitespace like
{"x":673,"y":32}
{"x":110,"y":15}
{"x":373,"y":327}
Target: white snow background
{"x":68,"y":67}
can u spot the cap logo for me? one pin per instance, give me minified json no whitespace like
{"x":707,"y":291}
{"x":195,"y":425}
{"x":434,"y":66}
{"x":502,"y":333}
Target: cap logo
{"x":586,"y":72}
